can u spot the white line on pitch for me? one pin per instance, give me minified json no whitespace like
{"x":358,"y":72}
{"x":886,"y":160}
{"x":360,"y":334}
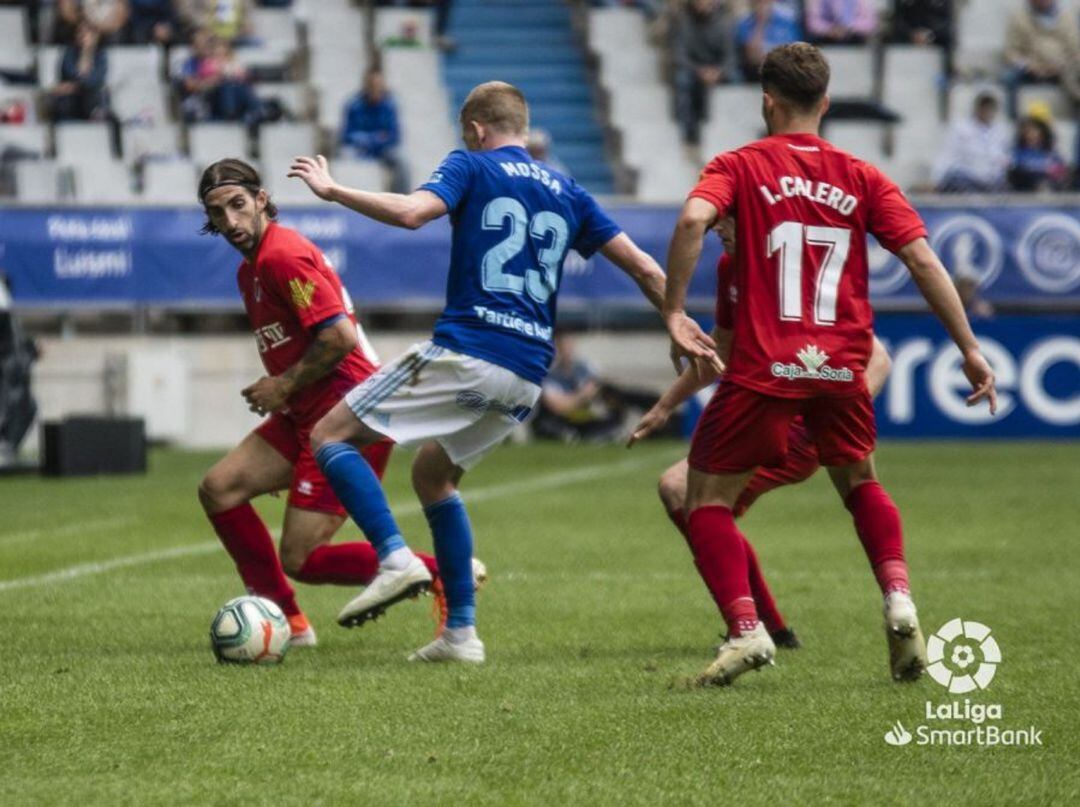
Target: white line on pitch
{"x":547,"y":481}
{"x":79,"y":528}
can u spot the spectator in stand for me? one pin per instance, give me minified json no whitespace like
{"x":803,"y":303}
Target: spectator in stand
{"x":106,"y":16}
{"x":976,"y":155}
{"x":699,"y":45}
{"x":769,"y":24}
{"x":922,"y":22}
{"x":152,"y":22}
{"x":229,"y":20}
{"x":840,"y":22}
{"x":1042,"y":44}
{"x":577,"y":404}
{"x":214,"y":86}
{"x":370,"y":129}
{"x":81,"y":92}
{"x":539,"y":147}
{"x":1036,"y":165}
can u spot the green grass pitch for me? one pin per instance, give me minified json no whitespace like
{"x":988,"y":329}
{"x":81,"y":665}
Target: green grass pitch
{"x":109,"y":693}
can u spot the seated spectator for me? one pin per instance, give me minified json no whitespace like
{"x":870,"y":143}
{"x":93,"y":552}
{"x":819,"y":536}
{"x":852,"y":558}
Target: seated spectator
{"x":81,"y":92}
{"x":229,"y":20}
{"x":699,"y":45}
{"x":370,"y":129}
{"x":1036,"y":165}
{"x":577,"y":404}
{"x":214,"y":86}
{"x":769,"y":24}
{"x":840,"y":22}
{"x":152,"y":22}
{"x":1042,"y":44}
{"x":976,"y":153}
{"x":539,"y":147}
{"x":922,"y":22}
{"x":107,"y":17}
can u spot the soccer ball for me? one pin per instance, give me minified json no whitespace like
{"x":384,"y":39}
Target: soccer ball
{"x":249,"y":630}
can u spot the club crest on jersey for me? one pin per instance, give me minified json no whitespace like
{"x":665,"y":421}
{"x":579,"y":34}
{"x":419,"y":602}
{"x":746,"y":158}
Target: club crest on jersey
{"x":303,"y":292}
{"x":813,"y":366}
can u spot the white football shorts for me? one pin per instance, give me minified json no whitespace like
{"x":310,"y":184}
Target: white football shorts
{"x":466,"y":404}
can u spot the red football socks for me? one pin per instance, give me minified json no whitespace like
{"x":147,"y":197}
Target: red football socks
{"x":252,"y":549}
{"x":877,"y":521}
{"x":720,"y":551}
{"x":800,"y":464}
{"x":763,"y":598}
{"x":354,"y":563}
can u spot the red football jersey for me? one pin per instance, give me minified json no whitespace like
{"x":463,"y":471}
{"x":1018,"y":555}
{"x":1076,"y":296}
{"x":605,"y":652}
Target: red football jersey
{"x":289,"y":289}
{"x":802,"y":319}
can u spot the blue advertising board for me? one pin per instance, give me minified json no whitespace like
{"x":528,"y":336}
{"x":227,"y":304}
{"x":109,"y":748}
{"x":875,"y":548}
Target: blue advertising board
{"x":144,"y":256}
{"x":1036,"y":361}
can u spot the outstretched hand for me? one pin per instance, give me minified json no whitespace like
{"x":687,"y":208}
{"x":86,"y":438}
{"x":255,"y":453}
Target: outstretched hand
{"x":314,"y":171}
{"x":690,"y":342}
{"x":655,"y":418}
{"x":978,"y":372}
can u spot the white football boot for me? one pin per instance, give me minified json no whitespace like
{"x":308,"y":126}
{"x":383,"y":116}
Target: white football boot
{"x":468,"y":648}
{"x":907,"y":648}
{"x":389,"y":587}
{"x":743,"y":653}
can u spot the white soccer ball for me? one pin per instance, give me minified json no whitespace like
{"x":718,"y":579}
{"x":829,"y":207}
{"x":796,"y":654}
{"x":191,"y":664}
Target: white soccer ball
{"x":249,"y":630}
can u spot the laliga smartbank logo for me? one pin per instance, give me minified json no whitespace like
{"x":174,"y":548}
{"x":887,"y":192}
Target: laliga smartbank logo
{"x":963,"y":657}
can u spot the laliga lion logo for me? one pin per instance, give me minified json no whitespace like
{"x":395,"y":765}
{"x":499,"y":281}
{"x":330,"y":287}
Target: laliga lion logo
{"x":971,"y":247}
{"x":961,"y":669}
{"x":1049,"y":253}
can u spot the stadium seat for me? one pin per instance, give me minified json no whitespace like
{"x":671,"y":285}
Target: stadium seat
{"x":102,"y":182}
{"x":415,"y":78}
{"x":27,"y":137}
{"x":295,"y":99}
{"x":276,"y":28}
{"x":912,"y":77}
{"x":48,"y":64}
{"x":132,"y":64}
{"x":980,"y":26}
{"x":172,"y":182}
{"x":366,"y":174}
{"x":38,"y":182}
{"x":864,"y":139}
{"x":209,"y":142}
{"x":735,"y":118}
{"x":280,"y":142}
{"x":15,"y":52}
{"x":393,"y":23}
{"x":852,"y":70}
{"x":79,"y":140}
{"x":142,"y":101}
{"x":157,"y":140}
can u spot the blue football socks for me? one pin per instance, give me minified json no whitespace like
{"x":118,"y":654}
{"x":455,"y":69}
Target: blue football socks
{"x":360,"y":492}
{"x":453,"y":549}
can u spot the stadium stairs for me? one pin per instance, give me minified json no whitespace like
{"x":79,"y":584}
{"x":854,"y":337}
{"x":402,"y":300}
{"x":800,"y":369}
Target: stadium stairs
{"x":531,"y":44}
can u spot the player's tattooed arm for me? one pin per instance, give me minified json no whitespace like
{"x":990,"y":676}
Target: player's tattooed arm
{"x":332,"y":344}
{"x":937,"y":288}
{"x":412,"y":210}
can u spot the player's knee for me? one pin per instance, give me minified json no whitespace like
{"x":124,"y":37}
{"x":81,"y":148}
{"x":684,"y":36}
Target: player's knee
{"x":430,"y":486}
{"x":220,"y":491}
{"x":320,"y":435}
{"x":672,"y":490}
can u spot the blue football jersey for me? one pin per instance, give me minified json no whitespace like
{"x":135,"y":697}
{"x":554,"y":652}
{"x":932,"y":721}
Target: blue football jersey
{"x":513,"y":220}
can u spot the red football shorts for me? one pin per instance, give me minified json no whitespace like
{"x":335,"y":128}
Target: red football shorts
{"x":309,"y":489}
{"x":741,"y":429}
